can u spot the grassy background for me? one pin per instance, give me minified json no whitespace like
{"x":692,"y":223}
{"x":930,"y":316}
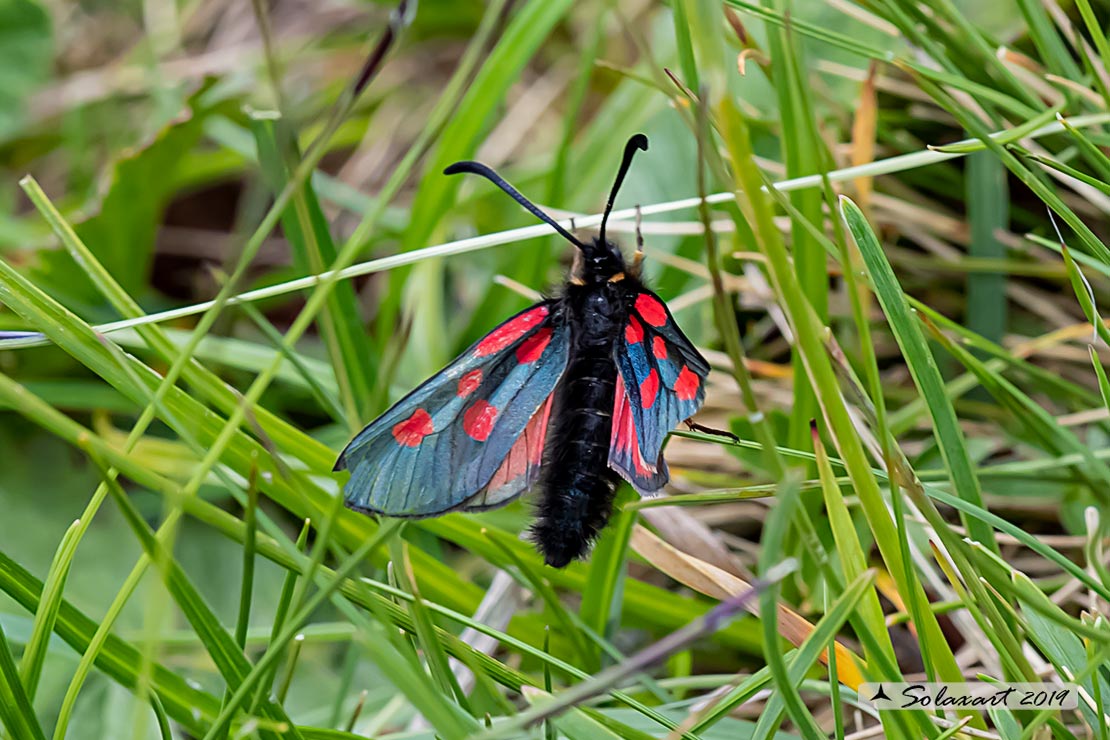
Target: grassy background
{"x":897,"y":279}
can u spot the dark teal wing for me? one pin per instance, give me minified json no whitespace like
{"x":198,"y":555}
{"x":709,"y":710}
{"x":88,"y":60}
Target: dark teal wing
{"x":663,"y":379}
{"x":467,"y":437}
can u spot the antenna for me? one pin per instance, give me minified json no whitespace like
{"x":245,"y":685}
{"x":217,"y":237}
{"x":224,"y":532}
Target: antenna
{"x":477,"y":168}
{"x":638,"y":141}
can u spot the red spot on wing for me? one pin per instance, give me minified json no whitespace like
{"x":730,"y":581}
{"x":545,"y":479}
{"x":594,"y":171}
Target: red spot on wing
{"x":469,"y":383}
{"x":478,"y":420}
{"x":687,"y":384}
{"x":659,"y":348}
{"x":623,"y":437}
{"x":510,"y":331}
{"x":532,"y":347}
{"x":634,"y":332}
{"x":648,"y":389}
{"x":651,"y":309}
{"x":412,"y":431}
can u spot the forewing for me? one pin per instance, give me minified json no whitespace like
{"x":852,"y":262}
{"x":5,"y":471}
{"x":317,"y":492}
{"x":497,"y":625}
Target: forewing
{"x":442,"y":446}
{"x":663,"y":377}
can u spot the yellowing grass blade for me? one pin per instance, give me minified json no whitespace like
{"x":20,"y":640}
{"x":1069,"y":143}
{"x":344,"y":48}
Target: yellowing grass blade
{"x":712,"y":581}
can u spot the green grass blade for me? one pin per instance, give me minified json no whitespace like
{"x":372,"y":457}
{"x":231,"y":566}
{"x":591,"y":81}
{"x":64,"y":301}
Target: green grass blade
{"x":1067,"y":170}
{"x":161,"y":717}
{"x":643,"y":601}
{"x":432,"y":649}
{"x":1085,"y":295}
{"x":1026,"y":539}
{"x":1100,"y":373}
{"x":1028,"y":177}
{"x":809,"y":334}
{"x":1094,"y":27}
{"x":988,"y":213}
{"x":34,"y":654}
{"x":604,"y":592}
{"x":261,"y":669}
{"x":922,"y":366}
{"x":802,"y":155}
{"x":1001,"y":360}
{"x":1062,"y":648}
{"x":849,"y":44}
{"x":285,"y":602}
{"x":309,"y":235}
{"x":771,"y":554}
{"x":188,"y":705}
{"x":246,"y":586}
{"x":16,"y":712}
{"x":686,"y":60}
{"x":1042,"y":31}
{"x":306,"y":499}
{"x":35,"y":306}
{"x":803,"y":658}
{"x":541,"y":588}
{"x":1026,"y":412}
{"x":220,"y":645}
{"x":1009,"y":136}
{"x":853,"y":561}
{"x":575,"y":724}
{"x":325,"y":398}
{"x":528,"y":27}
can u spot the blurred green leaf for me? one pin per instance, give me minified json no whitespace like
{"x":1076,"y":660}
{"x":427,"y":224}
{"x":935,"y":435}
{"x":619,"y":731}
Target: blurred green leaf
{"x":125,"y":218}
{"x":26,"y":48}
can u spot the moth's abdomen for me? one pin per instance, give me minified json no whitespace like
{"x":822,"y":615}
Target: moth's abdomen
{"x":577,"y":485}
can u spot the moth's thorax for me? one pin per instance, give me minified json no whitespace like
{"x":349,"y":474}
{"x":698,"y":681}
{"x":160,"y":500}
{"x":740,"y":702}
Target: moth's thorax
{"x":596,"y":312}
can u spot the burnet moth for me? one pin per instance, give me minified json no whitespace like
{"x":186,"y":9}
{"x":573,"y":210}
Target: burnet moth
{"x":568,"y":394}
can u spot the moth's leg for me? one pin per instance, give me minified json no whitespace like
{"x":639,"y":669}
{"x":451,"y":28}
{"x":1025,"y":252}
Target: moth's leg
{"x":638,"y":255}
{"x":695,"y":427}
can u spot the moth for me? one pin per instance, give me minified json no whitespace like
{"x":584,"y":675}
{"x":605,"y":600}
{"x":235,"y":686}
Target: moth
{"x":569,"y":396}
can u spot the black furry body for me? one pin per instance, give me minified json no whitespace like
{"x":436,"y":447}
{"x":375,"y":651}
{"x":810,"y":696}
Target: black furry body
{"x":577,"y":485}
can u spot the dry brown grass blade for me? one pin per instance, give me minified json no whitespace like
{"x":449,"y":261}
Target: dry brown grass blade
{"x":864,"y":126}
{"x":712,"y":581}
{"x":886,"y":586}
{"x":681,"y":529}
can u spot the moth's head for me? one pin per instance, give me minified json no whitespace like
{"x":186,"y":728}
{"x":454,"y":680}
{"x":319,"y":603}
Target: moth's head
{"x":598,"y":261}
{"x":604,"y":247}
{"x":597,"y":257}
